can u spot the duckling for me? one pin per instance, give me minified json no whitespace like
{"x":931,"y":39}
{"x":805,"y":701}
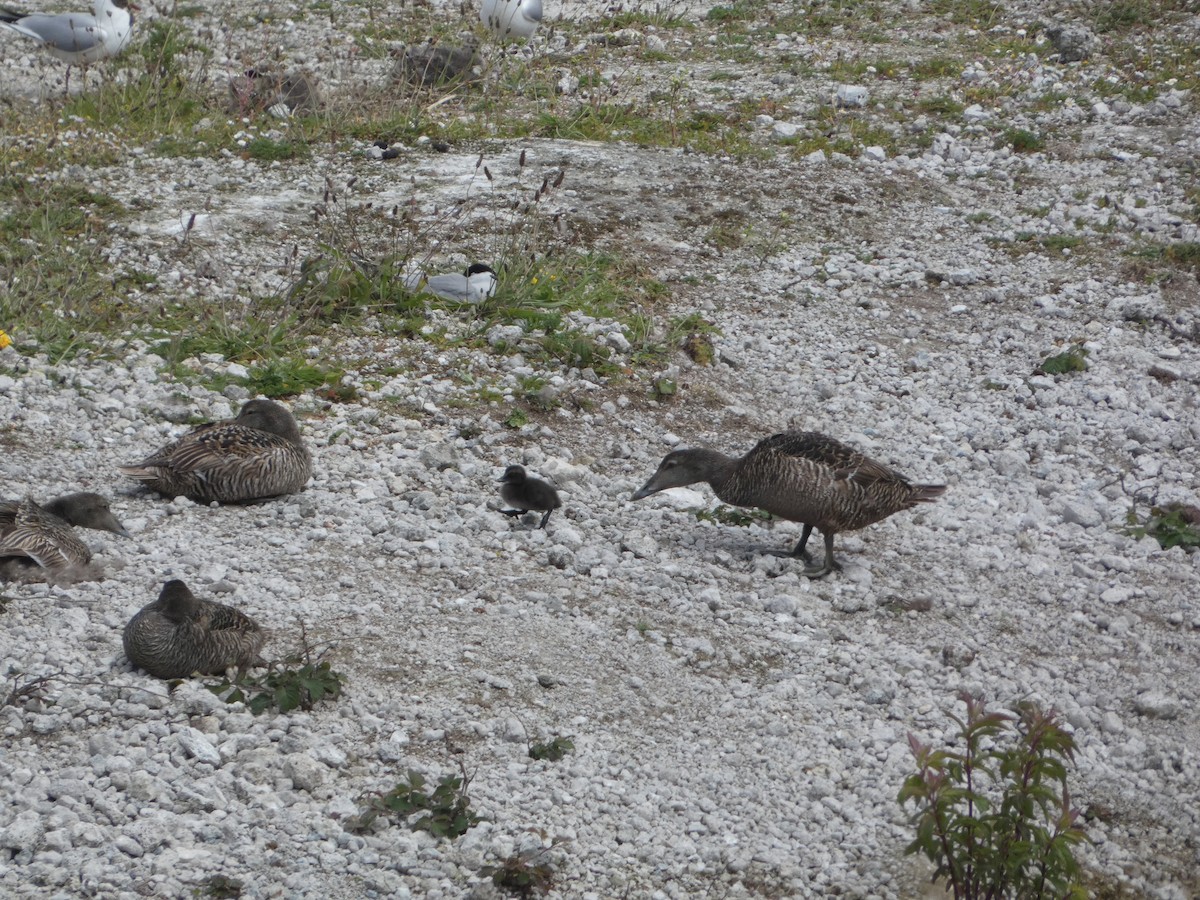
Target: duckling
{"x":527,"y":493}
{"x":801,"y":476}
{"x":42,"y":534}
{"x":179,"y":634}
{"x":257,"y":455}
{"x":428,"y":65}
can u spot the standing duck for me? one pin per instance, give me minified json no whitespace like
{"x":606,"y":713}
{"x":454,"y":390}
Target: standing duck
{"x":179,"y":634}
{"x":801,"y":476}
{"x":525,"y":493}
{"x":42,"y":534}
{"x":257,"y":455}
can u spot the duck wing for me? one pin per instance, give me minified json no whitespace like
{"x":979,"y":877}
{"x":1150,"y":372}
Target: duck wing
{"x":226,"y":462}
{"x":842,"y":460}
{"x":41,"y":537}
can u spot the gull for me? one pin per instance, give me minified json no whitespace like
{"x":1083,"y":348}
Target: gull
{"x":78,"y":39}
{"x":473,"y":286}
{"x":511,"y":18}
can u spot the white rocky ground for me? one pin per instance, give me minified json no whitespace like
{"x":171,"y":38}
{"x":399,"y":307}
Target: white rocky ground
{"x":739,"y":730}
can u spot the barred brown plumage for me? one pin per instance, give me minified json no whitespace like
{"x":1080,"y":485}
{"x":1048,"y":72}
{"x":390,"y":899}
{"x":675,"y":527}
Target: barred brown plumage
{"x":801,"y":476}
{"x":259,"y":454}
{"x":179,"y":634}
{"x":43,"y":534}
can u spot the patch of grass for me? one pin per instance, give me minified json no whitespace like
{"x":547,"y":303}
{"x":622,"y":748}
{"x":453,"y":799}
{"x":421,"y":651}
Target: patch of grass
{"x":266,"y":149}
{"x":1073,"y":359}
{"x":446,"y":809}
{"x":993,"y":813}
{"x":944,"y":107}
{"x":1173,"y":525}
{"x":1020,"y":140}
{"x":517,"y":418}
{"x":937,"y":67}
{"x":60,"y":287}
{"x":979,"y":13}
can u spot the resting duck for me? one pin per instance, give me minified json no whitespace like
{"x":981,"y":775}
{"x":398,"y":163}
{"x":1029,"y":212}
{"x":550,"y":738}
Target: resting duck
{"x":257,"y":455}
{"x":43,"y":535}
{"x":801,"y":476}
{"x":179,"y":634}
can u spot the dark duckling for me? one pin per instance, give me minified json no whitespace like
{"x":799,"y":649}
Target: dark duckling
{"x":257,"y":455}
{"x":525,"y":493}
{"x":43,"y":534}
{"x":179,"y":634}
{"x":801,"y":476}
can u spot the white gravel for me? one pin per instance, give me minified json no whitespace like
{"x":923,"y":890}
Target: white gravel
{"x":739,"y":730}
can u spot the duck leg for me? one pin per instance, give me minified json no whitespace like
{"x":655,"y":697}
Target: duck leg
{"x":800,"y":551}
{"x":513,"y":512}
{"x":829,"y":565}
{"x":545,"y":518}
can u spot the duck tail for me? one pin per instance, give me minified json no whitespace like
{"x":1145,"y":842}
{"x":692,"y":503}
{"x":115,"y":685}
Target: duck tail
{"x":927,"y":493}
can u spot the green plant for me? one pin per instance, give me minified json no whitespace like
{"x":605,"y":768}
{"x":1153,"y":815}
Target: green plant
{"x":1073,"y":359}
{"x":298,"y":682}
{"x":516,"y":418}
{"x":994,"y":816}
{"x":447,"y":807}
{"x":1173,"y":525}
{"x":553,"y":750}
{"x":222,"y":887}
{"x":526,"y":873}
{"x":1022,"y":141}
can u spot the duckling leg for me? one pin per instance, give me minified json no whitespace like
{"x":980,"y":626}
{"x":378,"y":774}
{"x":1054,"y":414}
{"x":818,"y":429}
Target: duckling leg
{"x":829,"y":565}
{"x":513,"y":512}
{"x":545,"y":518}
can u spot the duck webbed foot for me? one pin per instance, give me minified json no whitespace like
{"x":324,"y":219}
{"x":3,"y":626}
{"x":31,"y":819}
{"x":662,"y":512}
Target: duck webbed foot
{"x":828,"y":565}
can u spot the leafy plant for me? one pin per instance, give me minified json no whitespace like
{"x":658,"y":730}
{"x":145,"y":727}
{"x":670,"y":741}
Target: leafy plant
{"x":553,"y":750}
{"x":298,"y":682}
{"x":516,"y":418}
{"x":526,"y":873}
{"x":1174,"y":525}
{"x":447,"y":806}
{"x":222,"y":887}
{"x":995,"y":816}
{"x":1073,"y":359}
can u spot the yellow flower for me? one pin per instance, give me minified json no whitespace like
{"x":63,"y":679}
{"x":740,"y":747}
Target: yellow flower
{"x":533,"y":280}
{"x":5,"y":340}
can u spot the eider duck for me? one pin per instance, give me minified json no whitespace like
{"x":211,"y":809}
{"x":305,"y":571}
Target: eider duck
{"x":179,"y":634}
{"x":42,"y":534}
{"x":257,"y":455}
{"x":525,"y":493}
{"x":801,"y":476}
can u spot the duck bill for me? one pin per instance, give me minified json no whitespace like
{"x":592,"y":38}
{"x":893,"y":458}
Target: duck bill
{"x":647,"y":489}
